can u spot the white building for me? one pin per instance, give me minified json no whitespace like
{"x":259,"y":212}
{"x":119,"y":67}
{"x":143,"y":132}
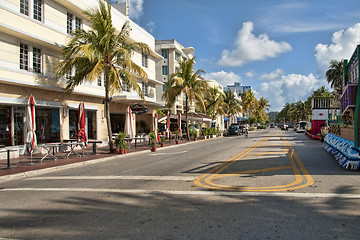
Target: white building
{"x":173,"y":53}
{"x":32,"y":33}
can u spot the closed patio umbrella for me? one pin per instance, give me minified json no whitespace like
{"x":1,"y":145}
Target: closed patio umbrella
{"x":129,"y":124}
{"x":168,"y":124}
{"x":81,"y":135}
{"x":31,"y":125}
{"x":156,"y":127}
{"x":179,"y":124}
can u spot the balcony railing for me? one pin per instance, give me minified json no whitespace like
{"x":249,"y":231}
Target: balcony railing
{"x":348,"y":99}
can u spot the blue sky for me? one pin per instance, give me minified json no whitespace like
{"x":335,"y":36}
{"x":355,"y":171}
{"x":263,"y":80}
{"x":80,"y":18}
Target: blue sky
{"x":280,"y":48}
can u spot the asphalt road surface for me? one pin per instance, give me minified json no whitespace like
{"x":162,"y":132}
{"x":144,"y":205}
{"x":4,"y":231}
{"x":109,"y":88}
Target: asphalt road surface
{"x":270,"y":185}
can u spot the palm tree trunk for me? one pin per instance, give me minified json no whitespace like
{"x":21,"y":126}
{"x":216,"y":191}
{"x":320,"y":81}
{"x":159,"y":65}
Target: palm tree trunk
{"x":107,"y":113}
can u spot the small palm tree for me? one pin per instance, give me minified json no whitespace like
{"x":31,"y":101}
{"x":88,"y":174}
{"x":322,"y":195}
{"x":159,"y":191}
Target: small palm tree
{"x":215,"y":102}
{"x":234,"y":107}
{"x":263,"y":106}
{"x":249,"y":102}
{"x":186,"y":81}
{"x":102,"y":50}
{"x":335,"y":75}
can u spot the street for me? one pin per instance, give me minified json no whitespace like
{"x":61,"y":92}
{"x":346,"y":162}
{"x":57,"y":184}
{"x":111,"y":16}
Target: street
{"x":270,"y":185}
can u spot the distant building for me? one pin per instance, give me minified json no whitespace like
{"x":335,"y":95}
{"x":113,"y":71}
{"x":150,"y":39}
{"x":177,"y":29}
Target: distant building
{"x":240,"y":89}
{"x":219,"y":119}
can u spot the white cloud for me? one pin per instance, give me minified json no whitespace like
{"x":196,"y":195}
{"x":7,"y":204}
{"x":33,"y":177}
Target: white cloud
{"x":135,"y":8}
{"x":273,"y":75}
{"x":150,"y":26}
{"x":287,"y":88}
{"x":343,"y":45}
{"x":250,"y":74}
{"x":249,"y":47}
{"x":224,"y":78}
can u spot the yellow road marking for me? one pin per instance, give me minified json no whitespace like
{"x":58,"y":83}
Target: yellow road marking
{"x":214,"y":174}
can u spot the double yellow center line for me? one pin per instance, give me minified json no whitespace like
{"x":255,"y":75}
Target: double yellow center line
{"x":302,"y":177}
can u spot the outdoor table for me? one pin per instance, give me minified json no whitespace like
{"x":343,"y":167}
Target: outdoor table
{"x":94,"y":142}
{"x":138,"y":138}
{"x":8,"y":150}
{"x":72,"y":146}
{"x":50,"y":148}
{"x":128,"y":140}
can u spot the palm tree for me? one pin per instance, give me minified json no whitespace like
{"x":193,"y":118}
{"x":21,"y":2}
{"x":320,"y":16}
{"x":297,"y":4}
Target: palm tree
{"x":335,"y":75}
{"x":233,"y":104}
{"x":102,"y":50}
{"x":263,"y":105}
{"x":186,"y":81}
{"x":214,"y":102}
{"x":249,"y":102}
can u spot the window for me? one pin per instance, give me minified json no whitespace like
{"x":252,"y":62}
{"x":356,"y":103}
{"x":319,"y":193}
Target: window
{"x":125,"y":87}
{"x":72,"y":22}
{"x":99,"y":81}
{"x":24,"y":7}
{"x":70,"y":18}
{"x":144,"y":60}
{"x":24,"y":56}
{"x":164,"y":70}
{"x":78,"y":22}
{"x":36,"y":60}
{"x":176,"y":57}
{"x":145,"y":89}
{"x":164,"y":53}
{"x":37,"y":9}
{"x":68,"y":75}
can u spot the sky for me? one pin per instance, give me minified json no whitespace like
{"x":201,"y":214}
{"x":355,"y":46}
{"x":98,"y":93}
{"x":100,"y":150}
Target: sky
{"x":282,"y":49}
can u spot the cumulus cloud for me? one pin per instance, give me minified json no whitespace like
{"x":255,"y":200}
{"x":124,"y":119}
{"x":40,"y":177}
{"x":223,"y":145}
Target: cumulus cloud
{"x":224,"y":78}
{"x":248,"y":47}
{"x":273,"y":75}
{"x":287,"y":88}
{"x":135,"y":8}
{"x":343,"y":46}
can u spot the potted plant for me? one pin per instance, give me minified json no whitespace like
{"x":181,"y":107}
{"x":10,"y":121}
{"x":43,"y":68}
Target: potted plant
{"x":204,"y":132}
{"x":152,"y":136}
{"x":123,"y":146}
{"x":120,"y":142}
{"x":162,"y":141}
{"x":193,"y":133}
{"x":177,"y":137}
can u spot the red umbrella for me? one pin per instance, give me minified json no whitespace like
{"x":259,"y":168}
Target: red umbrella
{"x":31,"y":125}
{"x":81,"y":135}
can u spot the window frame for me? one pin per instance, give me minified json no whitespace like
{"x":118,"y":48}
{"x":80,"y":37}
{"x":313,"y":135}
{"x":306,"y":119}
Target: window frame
{"x":38,"y":10}
{"x":24,"y":56}
{"x":165,"y":53}
{"x":24,"y":7}
{"x":165,"y":70}
{"x":144,"y":60}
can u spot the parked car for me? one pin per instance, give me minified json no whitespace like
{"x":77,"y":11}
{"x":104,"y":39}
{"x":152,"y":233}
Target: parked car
{"x":301,"y":127}
{"x":234,"y":129}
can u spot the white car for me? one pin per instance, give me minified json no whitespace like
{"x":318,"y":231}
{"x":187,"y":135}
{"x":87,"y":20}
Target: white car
{"x":301,"y":127}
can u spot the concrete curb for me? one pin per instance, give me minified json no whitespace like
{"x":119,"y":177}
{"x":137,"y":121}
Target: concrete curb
{"x":33,"y":173}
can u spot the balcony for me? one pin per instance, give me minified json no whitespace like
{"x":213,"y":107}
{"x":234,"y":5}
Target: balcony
{"x":348,"y":99}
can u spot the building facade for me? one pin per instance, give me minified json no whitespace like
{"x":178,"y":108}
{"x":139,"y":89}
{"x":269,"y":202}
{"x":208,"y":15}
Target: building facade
{"x":32,"y":35}
{"x":238,"y":87}
{"x":173,"y":53}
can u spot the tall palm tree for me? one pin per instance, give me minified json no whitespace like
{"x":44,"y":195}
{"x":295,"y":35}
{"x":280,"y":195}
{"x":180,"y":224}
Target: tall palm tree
{"x":214,"y":102}
{"x":186,"y":81}
{"x":335,"y":75}
{"x":102,"y":50}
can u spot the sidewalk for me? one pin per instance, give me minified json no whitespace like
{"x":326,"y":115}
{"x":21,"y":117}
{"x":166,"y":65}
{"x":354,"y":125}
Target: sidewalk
{"x":24,"y":164}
